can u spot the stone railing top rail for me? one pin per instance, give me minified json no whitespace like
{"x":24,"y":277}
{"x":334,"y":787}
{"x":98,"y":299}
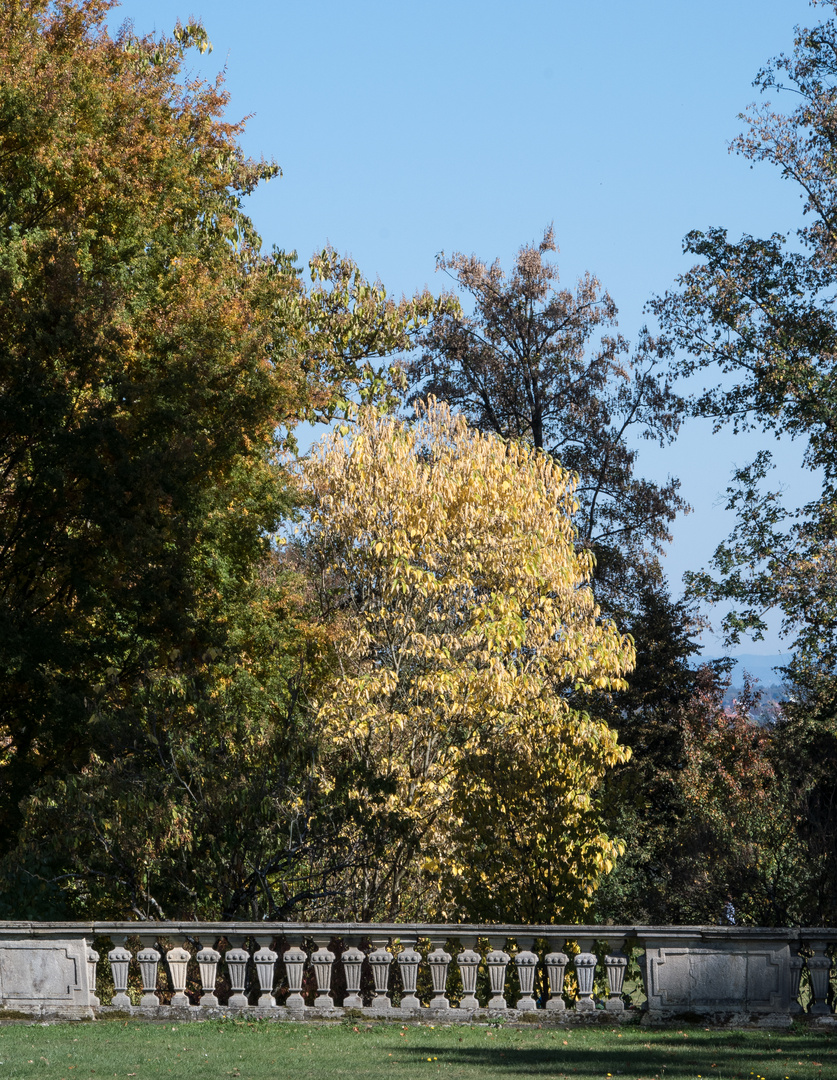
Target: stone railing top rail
{"x":401,"y":930}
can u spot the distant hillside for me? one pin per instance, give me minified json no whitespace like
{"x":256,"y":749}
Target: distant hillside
{"x":769,"y":682}
{"x":759,"y":667}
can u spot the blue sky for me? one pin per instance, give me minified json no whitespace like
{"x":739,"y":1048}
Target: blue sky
{"x":406,"y":129}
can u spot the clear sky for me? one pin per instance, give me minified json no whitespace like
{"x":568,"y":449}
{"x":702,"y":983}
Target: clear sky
{"x":406,"y":129}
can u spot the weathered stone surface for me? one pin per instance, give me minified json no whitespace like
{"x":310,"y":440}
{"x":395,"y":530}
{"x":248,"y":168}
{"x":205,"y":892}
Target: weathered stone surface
{"x":208,"y":962}
{"x":438,"y":961}
{"x":585,"y":970}
{"x":556,"y":966}
{"x":322,"y":961}
{"x":408,"y":961}
{"x":469,"y":962}
{"x":710,"y":978}
{"x":46,"y":978}
{"x":728,"y":975}
{"x":178,"y":961}
{"x":615,"y":966}
{"x":237,"y":960}
{"x":526,"y":962}
{"x":497,"y":961}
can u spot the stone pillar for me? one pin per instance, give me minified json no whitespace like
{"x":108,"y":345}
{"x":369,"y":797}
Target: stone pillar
{"x":178,"y":960}
{"x":92,"y":961}
{"x":556,"y":966}
{"x":615,"y":966}
{"x":585,"y":969}
{"x":352,"y":966}
{"x":408,"y":961}
{"x":527,"y":963}
{"x":148,"y":959}
{"x":818,"y":967}
{"x":380,"y":959}
{"x":469,"y":962}
{"x":323,"y":959}
{"x":497,"y":962}
{"x":439,"y":961}
{"x":120,"y":958}
{"x":265,"y":961}
{"x":295,"y":958}
{"x":208,"y":963}
{"x":237,"y":967}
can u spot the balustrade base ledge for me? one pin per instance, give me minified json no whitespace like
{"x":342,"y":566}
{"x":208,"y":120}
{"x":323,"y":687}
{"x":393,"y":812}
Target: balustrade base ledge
{"x":315,"y":1014}
{"x":167,"y":1014}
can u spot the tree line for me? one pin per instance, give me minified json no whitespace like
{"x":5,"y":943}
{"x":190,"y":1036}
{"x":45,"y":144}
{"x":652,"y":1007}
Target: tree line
{"x":433,"y":668}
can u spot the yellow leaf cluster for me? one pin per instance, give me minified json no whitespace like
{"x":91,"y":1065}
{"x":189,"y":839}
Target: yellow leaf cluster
{"x":448,"y":558}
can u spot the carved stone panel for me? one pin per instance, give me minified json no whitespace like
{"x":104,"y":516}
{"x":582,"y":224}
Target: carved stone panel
{"x":47,"y":978}
{"x":751,"y":977}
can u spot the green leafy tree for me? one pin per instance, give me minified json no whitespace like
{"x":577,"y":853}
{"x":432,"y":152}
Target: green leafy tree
{"x":133,"y":370}
{"x":152,"y":364}
{"x":640,"y":799}
{"x":755,"y":317}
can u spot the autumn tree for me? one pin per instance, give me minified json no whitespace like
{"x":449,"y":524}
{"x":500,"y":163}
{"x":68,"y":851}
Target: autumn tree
{"x":734,"y":838}
{"x":153,"y":361}
{"x":446,"y":560}
{"x":755,"y":318}
{"x":528,"y":360}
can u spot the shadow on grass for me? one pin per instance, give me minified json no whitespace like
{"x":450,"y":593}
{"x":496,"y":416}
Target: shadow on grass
{"x":721,"y":1055}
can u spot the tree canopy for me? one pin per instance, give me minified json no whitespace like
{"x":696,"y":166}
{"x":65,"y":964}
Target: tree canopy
{"x":543,"y":364}
{"x":755,"y":318}
{"x":153,"y":361}
{"x":460,"y":687}
{"x":446,"y":558}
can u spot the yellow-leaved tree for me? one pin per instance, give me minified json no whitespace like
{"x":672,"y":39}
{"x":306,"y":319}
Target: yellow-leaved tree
{"x":447,"y":559}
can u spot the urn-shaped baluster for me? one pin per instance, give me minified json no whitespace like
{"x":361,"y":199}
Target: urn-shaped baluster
{"x":236,"y":960}
{"x":527,"y":963}
{"x":120,"y":958}
{"x":818,"y":968}
{"x":294,"y":968}
{"x":92,"y":961}
{"x":208,"y":963}
{"x":469,"y":962}
{"x":265,"y":961}
{"x":439,"y":962}
{"x":148,"y":960}
{"x":379,"y":960}
{"x":497,"y":962}
{"x":615,"y":965}
{"x":178,"y":960}
{"x":408,"y":961}
{"x":352,"y":960}
{"x":556,"y":966}
{"x":322,"y":961}
{"x":795,"y":974}
{"x":585,"y":969}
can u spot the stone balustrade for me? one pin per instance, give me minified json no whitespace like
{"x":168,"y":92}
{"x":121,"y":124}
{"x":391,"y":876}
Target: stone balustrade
{"x":411,"y":971}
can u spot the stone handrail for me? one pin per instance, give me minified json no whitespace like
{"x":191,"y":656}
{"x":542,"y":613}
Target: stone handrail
{"x":373,"y":969}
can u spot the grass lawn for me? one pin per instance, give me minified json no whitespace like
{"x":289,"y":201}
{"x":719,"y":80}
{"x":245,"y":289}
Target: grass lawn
{"x":252,"y":1051}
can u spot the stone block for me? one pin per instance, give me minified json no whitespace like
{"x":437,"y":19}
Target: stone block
{"x":45,"y":978}
{"x":724,"y":976}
